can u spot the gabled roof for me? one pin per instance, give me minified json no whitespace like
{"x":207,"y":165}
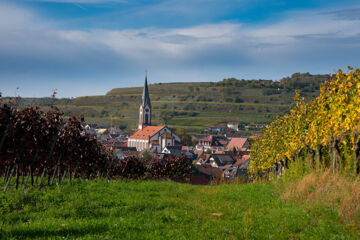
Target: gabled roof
{"x":146,"y":132}
{"x":212,"y":140}
{"x":238,"y":143}
{"x":223,"y":159}
{"x":209,"y":170}
{"x":145,"y":100}
{"x":242,"y":160}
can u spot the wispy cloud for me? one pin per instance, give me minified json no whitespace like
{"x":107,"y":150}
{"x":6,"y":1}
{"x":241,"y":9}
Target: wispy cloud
{"x":347,"y":14}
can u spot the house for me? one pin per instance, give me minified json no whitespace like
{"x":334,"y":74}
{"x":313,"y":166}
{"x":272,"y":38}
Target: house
{"x":205,"y":174}
{"x":219,"y":160}
{"x":209,"y":143}
{"x":230,"y":135}
{"x":240,"y":144}
{"x":123,"y":152}
{"x":148,"y":137}
{"x":202,"y":158}
{"x":233,"y":126}
{"x":222,"y":140}
{"x":242,"y":160}
{"x":102,"y":131}
{"x":229,"y":171}
{"x":242,"y":169}
{"x":198,"y":137}
{"x":216,"y":129}
{"x":173,"y":150}
{"x":177,"y":151}
{"x":153,"y":138}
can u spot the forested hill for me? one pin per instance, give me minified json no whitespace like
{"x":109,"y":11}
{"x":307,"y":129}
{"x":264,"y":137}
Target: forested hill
{"x":194,"y":105}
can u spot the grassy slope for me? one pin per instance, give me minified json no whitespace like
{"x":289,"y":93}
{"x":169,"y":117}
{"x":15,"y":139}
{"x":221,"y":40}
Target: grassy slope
{"x":208,"y":106}
{"x":195,"y":104}
{"x":164,"y":210}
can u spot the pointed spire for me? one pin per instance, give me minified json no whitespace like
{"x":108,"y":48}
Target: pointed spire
{"x":145,"y":96}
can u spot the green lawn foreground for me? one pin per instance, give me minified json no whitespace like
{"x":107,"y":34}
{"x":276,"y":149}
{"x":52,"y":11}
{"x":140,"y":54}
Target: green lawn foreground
{"x":163,"y":210}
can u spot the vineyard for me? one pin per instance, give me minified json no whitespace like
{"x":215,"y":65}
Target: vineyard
{"x":323,"y":133}
{"x":41,"y":148}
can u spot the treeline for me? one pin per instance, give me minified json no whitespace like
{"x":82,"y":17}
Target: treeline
{"x":324,"y":133}
{"x":41,"y":148}
{"x":303,"y":81}
{"x":43,"y":101}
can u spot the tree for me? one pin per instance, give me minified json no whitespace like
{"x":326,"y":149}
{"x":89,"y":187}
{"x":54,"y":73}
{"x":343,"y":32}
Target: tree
{"x":185,"y":138}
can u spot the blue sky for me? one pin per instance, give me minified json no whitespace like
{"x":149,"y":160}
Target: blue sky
{"x":87,"y":47}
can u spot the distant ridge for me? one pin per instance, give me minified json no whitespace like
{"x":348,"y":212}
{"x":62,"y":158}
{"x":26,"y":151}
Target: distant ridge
{"x":194,"y":105}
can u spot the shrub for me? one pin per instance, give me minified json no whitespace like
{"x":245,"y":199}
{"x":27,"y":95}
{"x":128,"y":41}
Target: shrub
{"x":130,"y":167}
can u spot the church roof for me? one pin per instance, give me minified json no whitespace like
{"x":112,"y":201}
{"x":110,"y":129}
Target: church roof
{"x":145,"y":97}
{"x":146,"y":132}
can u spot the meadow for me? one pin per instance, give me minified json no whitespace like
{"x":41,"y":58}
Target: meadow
{"x":98,"y":209}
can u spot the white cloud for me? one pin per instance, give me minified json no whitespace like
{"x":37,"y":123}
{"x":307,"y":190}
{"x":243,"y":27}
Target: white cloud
{"x":14,"y":17}
{"x":305,"y":41}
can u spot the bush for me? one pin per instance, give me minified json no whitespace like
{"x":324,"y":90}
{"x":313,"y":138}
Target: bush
{"x":130,"y":167}
{"x":135,"y":168}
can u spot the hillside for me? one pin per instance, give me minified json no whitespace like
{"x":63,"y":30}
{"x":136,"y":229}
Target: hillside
{"x":195,"y":105}
{"x":99,"y":209}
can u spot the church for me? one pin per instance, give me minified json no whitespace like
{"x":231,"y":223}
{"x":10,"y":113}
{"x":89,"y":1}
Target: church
{"x":148,"y":137}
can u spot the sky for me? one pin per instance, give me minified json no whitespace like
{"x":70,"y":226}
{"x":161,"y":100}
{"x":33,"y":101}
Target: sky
{"x":88,"y":47}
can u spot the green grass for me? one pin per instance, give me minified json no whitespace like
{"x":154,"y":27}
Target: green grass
{"x":163,"y":210}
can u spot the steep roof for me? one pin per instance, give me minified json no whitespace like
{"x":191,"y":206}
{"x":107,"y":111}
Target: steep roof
{"x":146,"y":132}
{"x":145,"y":100}
{"x":238,"y":143}
{"x":223,"y":159}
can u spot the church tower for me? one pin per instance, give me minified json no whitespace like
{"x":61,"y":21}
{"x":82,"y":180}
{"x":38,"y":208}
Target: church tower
{"x":145,"y":108}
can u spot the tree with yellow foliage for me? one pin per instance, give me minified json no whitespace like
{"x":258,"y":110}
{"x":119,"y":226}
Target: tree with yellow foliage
{"x":324,"y":133}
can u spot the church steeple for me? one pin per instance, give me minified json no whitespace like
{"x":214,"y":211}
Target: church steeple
{"x":145,"y":107}
{"x":145,"y":96}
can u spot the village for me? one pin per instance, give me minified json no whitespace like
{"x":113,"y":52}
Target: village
{"x":221,"y":153}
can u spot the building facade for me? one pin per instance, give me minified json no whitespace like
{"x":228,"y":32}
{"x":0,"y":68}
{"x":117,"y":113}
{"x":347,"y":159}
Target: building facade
{"x":148,"y":137}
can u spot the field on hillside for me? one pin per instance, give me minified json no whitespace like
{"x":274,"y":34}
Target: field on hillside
{"x":193,"y":105}
{"x":165,"y":210}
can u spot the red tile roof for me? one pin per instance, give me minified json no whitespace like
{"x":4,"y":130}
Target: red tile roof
{"x":238,"y":143}
{"x":242,"y":160}
{"x":146,"y":132}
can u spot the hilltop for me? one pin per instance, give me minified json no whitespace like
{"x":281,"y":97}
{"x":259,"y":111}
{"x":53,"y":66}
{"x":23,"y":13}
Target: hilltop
{"x":195,"y":105}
